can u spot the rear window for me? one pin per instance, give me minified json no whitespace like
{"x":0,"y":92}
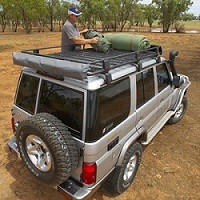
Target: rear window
{"x":64,"y":103}
{"x":27,"y":93}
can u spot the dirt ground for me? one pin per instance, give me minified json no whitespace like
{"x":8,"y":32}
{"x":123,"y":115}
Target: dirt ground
{"x":170,"y":168}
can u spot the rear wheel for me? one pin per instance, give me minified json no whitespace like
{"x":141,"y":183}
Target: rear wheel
{"x":179,"y":112}
{"x":124,"y":175}
{"x":47,"y":148}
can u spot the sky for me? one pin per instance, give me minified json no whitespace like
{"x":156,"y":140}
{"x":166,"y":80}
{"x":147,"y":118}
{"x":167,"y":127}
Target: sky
{"x":194,"y":9}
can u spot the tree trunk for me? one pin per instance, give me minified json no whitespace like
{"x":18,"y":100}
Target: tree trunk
{"x":14,"y":24}
{"x":3,"y":26}
{"x":166,"y":26}
{"x":3,"y":23}
{"x":165,"y":29}
{"x":27,"y":27}
{"x":51,"y":24}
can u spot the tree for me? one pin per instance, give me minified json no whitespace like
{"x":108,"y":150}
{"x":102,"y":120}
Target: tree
{"x":170,"y":11}
{"x":151,"y":14}
{"x":28,"y":12}
{"x":4,"y":14}
{"x":40,"y":16}
{"x":90,"y":12}
{"x":121,"y":11}
{"x":138,"y":15}
{"x":14,"y":17}
{"x":52,"y":5}
{"x":188,"y":17}
{"x":61,"y":13}
{"x":112,"y":13}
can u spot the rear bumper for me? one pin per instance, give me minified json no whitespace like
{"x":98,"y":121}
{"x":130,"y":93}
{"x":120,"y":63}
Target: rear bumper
{"x":12,"y":144}
{"x":71,"y":188}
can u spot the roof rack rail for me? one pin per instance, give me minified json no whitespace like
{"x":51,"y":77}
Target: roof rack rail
{"x":82,"y":63}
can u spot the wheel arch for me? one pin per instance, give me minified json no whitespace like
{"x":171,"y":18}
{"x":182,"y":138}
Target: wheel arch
{"x":136,"y":137}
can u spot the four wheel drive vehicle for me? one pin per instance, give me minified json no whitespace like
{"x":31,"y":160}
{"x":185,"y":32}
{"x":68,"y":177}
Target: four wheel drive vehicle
{"x":82,"y":118}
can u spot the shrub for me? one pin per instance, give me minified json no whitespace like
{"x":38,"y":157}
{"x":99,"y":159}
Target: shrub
{"x":180,"y":28}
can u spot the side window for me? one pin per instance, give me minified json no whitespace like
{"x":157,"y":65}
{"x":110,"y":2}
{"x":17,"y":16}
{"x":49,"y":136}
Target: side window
{"x":145,"y":87}
{"x":162,"y":76}
{"x":112,"y":107}
{"x":64,"y":103}
{"x":27,"y":93}
{"x":149,"y":88}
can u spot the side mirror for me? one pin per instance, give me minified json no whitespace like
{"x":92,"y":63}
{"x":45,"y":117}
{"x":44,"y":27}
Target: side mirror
{"x":176,"y":81}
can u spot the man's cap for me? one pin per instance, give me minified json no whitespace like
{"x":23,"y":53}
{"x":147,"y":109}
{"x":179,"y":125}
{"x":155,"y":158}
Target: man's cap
{"x":74,"y":11}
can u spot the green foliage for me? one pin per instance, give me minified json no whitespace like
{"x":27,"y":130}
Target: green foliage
{"x":171,"y":11}
{"x":52,"y":8}
{"x":151,"y":14}
{"x":5,"y":14}
{"x":138,"y":16}
{"x":179,"y":27}
{"x":31,"y":13}
{"x":111,"y":14}
{"x":188,"y":17}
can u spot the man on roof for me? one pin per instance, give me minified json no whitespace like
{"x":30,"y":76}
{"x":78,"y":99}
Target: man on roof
{"x":71,"y":37}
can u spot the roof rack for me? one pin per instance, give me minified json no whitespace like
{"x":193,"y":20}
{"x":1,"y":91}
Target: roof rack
{"x":82,"y":63}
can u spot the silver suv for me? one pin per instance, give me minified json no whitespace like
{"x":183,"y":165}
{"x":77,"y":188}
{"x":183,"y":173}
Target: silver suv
{"x":81,"y":119}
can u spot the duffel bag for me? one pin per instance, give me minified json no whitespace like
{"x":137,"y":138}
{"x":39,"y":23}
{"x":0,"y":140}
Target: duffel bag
{"x":103,"y":45}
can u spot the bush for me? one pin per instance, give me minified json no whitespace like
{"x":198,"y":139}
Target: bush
{"x":180,"y":28}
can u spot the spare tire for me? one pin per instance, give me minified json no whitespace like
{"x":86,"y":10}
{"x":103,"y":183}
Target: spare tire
{"x":47,"y":148}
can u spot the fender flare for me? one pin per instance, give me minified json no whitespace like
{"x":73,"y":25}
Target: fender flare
{"x":128,"y":143}
{"x":182,"y":94}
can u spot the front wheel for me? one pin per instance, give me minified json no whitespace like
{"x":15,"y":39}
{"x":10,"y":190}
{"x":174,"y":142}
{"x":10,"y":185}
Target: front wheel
{"x":123,"y":175}
{"x":179,"y":112}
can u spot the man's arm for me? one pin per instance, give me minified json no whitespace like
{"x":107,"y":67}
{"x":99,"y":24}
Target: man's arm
{"x":77,"y":40}
{"x":83,"y":31}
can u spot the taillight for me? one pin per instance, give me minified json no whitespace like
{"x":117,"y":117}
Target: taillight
{"x":13,"y":124}
{"x":89,"y":173}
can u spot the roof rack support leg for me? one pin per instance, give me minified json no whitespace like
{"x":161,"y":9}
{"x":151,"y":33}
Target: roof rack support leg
{"x":106,"y":65}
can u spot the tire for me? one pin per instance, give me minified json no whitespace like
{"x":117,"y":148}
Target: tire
{"x":47,"y":148}
{"x":180,"y":112}
{"x":122,"y":177}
